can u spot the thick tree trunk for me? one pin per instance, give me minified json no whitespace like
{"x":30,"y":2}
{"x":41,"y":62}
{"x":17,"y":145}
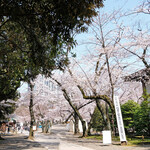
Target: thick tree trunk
{"x":76,"y":129}
{"x":84,"y":128}
{"x":31,"y":133}
{"x":47,"y":126}
{"x":108,"y":127}
{"x":104,"y":116}
{"x":113,"y":125}
{"x":90,"y":125}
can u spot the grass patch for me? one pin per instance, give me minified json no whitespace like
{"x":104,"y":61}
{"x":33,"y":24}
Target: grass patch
{"x":138,"y":141}
{"x":100,"y":137}
{"x":131,"y":141}
{"x":96,"y":137}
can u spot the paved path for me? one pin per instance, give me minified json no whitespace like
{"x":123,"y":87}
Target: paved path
{"x":19,"y":142}
{"x":59,"y":139}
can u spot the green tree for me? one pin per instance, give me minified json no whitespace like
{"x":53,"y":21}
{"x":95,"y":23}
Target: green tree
{"x":142,"y":123}
{"x":97,"y":120}
{"x":59,"y":19}
{"x":35,"y":36}
{"x":7,"y":108}
{"x":128,"y":112}
{"x":35,"y":32}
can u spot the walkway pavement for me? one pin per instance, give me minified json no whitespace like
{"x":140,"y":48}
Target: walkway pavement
{"x":59,"y":139}
{"x":64,"y":140}
{"x":19,"y":142}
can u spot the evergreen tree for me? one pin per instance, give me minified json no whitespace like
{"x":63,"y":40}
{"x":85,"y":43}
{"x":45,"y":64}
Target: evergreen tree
{"x":128,"y":112}
{"x":97,"y":120}
{"x":142,"y":120}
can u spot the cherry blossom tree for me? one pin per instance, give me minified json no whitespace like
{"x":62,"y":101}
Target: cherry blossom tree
{"x":46,"y":102}
{"x":107,"y":62}
{"x":74,"y":98}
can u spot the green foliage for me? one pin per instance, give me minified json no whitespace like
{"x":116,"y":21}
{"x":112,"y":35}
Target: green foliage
{"x":137,"y":117}
{"x":38,"y":31}
{"x":35,"y":37}
{"x":97,"y":120}
{"x":59,"y":19}
{"x":6,"y":110}
{"x":128,"y":112}
{"x":12,"y":61}
{"x":133,"y":141}
{"x":142,"y":121}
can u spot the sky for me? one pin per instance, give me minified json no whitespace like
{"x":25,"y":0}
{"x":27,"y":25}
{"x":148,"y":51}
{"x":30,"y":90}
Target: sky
{"x":125,"y":4}
{"x":109,"y":6}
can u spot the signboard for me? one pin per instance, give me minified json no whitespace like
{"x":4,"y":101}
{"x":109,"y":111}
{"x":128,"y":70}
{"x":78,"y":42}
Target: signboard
{"x":119,"y":119}
{"x":34,"y":128}
{"x":80,"y":127}
{"x":106,"y":137}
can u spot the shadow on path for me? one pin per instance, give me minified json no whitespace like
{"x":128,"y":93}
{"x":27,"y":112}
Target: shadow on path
{"x":19,"y":142}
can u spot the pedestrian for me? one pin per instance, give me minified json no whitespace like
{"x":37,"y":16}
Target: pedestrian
{"x":8,"y":129}
{"x":21,"y":129}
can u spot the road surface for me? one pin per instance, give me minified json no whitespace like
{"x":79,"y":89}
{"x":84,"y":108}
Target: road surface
{"x":61,"y":139}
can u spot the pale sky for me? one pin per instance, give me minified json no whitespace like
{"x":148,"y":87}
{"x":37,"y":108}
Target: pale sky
{"x":109,"y":6}
{"x":125,"y":4}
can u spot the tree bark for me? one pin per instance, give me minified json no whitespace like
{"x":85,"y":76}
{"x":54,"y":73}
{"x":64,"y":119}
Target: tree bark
{"x":76,"y":129}
{"x":107,"y":117}
{"x":104,"y":115}
{"x":76,"y":111}
{"x":31,"y":133}
{"x":112,"y":91}
{"x":90,"y":125}
{"x":73,"y":107}
{"x":98,"y":98}
{"x":43,"y":126}
{"x":47,"y":126}
{"x":100,"y":108}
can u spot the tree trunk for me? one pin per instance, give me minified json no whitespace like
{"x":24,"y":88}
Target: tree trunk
{"x":89,"y":128}
{"x":113,"y":125}
{"x":84,"y":128}
{"x":90,"y":125}
{"x":76,"y":111}
{"x":112,"y":91}
{"x":144,"y":90}
{"x":31,"y":133}
{"x":73,"y":107}
{"x":76,"y":129}
{"x":100,"y":108}
{"x":47,"y":126}
{"x":43,"y":126}
{"x":108,"y":127}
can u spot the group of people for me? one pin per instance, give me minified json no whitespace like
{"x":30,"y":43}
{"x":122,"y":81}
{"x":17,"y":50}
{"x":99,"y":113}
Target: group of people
{"x":7,"y":127}
{"x":4,"y":128}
